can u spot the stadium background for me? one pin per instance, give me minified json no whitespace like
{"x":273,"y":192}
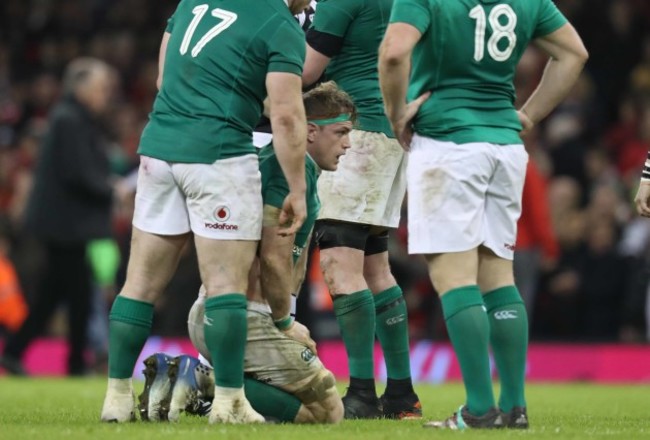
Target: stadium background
{"x":579,"y":227}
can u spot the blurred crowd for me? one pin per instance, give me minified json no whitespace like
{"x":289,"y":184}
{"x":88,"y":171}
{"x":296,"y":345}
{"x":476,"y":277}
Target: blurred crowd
{"x":582,"y":257}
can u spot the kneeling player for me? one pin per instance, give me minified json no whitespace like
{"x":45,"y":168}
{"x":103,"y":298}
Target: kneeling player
{"x":285,"y":380}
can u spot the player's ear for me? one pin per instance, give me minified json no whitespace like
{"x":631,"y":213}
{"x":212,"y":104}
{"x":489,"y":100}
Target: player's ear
{"x":312,"y":132}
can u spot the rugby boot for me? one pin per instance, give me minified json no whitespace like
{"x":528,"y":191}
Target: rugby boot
{"x":119,"y":403}
{"x":361,"y":404}
{"x":517,"y":418}
{"x":462,"y":419}
{"x":231,"y":406}
{"x":193,"y":388}
{"x":153,"y":403}
{"x":401,"y":407}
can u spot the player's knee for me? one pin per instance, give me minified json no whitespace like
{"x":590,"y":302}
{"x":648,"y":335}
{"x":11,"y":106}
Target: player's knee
{"x":341,"y":255}
{"x":334,"y":408}
{"x":494,"y":271}
{"x":377,"y":273}
{"x":318,"y":389}
{"x":305,"y":416}
{"x":342,"y":272}
{"x":329,"y":410}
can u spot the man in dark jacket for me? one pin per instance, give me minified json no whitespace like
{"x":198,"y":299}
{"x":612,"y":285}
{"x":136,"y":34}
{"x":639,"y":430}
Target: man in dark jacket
{"x":69,"y":206}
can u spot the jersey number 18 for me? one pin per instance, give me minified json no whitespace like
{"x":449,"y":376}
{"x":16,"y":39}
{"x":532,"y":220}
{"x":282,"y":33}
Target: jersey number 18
{"x":499,"y":31}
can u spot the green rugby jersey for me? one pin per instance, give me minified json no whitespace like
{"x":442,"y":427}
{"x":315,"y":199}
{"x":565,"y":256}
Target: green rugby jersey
{"x":361,"y":24}
{"x":275,"y":189}
{"x":216,"y":62}
{"x":467,"y":57}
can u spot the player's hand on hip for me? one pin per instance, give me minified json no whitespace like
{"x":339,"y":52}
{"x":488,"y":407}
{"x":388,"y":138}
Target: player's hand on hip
{"x":293,"y":214}
{"x":300,"y":333}
{"x":526,"y":123}
{"x":642,"y":199}
{"x":402,"y":127}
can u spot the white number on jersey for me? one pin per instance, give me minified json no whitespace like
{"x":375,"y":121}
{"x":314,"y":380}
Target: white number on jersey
{"x":499,"y":31}
{"x":227,"y":17}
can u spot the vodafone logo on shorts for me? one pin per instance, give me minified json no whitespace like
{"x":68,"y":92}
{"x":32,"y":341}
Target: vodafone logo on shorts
{"x":221,"y":215}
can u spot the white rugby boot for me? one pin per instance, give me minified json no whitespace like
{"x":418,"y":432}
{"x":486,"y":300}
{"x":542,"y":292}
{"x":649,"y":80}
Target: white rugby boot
{"x":231,"y":406}
{"x":119,"y":403}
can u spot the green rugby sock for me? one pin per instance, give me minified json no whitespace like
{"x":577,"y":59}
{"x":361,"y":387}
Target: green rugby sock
{"x":355,"y":314}
{"x":468,"y":328}
{"x":393,"y":332}
{"x":509,"y":338}
{"x":270,"y":401}
{"x":225,"y":336}
{"x":129,"y":327}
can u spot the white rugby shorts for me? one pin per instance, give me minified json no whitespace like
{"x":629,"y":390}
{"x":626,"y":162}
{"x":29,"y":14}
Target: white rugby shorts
{"x":369,"y":185}
{"x":463,"y":196}
{"x":221,"y":201}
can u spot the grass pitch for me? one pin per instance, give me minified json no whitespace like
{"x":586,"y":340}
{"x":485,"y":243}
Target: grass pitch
{"x":69,"y":408}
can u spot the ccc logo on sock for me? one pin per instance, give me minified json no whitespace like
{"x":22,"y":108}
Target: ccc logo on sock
{"x":396,"y":319}
{"x":505,"y":314}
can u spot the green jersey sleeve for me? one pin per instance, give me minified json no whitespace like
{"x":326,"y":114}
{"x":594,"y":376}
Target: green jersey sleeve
{"x":170,"y":24}
{"x":334,"y":16}
{"x":172,"y":19}
{"x":287,"y":49}
{"x":550,"y":19}
{"x":413,"y":12}
{"x":275,"y":191}
{"x":274,"y":186}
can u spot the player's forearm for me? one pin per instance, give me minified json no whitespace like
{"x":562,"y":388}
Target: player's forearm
{"x":290,"y":142}
{"x":315,"y":64}
{"x":393,"y":80}
{"x":568,"y":57}
{"x":275,"y":264}
{"x":276,"y":281}
{"x":556,"y":83}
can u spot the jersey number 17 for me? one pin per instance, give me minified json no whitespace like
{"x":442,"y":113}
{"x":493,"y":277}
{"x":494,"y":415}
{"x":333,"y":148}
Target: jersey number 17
{"x":227,"y":17}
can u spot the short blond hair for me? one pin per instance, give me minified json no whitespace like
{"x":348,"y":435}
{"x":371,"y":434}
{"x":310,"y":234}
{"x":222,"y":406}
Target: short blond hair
{"x":327,"y":100}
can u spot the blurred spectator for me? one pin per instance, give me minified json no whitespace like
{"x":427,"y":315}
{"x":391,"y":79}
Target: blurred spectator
{"x":602,"y":283}
{"x":557,"y":307}
{"x":565,"y":197}
{"x":614,"y":32}
{"x":69,"y":206}
{"x":635,"y":248}
{"x":629,"y":141}
{"x":567,"y":130}
{"x":640,"y":76}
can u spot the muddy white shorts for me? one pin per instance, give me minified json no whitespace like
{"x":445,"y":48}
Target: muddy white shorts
{"x":463,"y":196}
{"x":222,"y":200}
{"x":271,"y":356}
{"x":368,"y":186}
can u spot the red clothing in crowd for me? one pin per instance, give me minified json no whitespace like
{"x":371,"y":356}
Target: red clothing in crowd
{"x":534,"y":228}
